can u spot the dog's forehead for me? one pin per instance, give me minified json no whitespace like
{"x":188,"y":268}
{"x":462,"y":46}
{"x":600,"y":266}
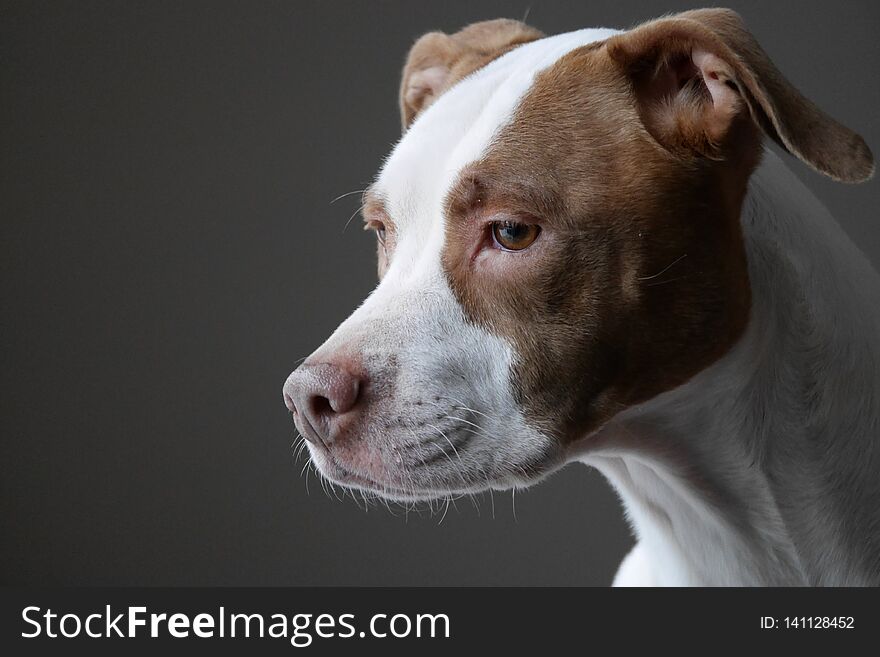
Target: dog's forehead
{"x":457,"y":130}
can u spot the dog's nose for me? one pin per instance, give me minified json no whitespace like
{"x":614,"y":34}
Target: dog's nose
{"x":321,"y":394}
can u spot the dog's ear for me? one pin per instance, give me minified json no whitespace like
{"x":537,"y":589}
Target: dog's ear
{"x":696,"y":74}
{"x":437,"y":60}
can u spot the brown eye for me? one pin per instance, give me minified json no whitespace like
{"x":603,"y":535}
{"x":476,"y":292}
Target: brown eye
{"x":514,"y":236}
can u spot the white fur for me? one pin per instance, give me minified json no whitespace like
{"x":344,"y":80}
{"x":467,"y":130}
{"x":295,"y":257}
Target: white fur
{"x":413,"y":313}
{"x":635,"y":569}
{"x":782,"y":433}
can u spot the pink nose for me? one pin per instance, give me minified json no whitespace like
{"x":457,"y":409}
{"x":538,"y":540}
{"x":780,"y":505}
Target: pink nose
{"x":320,"y":396}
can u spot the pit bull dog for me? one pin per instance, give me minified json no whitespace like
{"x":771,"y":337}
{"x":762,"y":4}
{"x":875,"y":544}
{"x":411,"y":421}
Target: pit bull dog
{"x":587,"y":254}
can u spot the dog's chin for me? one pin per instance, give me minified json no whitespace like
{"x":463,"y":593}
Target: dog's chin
{"x":391,"y":486}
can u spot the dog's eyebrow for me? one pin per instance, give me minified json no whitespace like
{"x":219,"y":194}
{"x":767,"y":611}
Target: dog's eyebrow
{"x":476,"y":189}
{"x":372,"y":204}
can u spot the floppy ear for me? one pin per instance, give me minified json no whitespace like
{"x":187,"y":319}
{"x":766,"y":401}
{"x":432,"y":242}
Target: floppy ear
{"x":697,"y":73}
{"x":438,"y":60}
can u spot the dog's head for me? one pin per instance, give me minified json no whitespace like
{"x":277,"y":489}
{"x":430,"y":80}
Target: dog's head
{"x":559,"y":239}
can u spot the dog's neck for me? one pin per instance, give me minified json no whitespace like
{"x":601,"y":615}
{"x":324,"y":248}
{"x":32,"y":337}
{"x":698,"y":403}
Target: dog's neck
{"x":763,"y":468}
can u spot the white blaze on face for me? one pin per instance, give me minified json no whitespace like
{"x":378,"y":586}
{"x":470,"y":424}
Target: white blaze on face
{"x":456,"y":130}
{"x":437,"y":381}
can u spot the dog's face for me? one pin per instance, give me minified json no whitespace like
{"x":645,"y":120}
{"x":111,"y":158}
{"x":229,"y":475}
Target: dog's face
{"x":559,"y":239}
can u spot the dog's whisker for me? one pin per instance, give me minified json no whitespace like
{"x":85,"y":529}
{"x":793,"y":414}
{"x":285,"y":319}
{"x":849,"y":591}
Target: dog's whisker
{"x":664,"y":270}
{"x":513,"y":503}
{"x":461,"y":419}
{"x":353,"y":215}
{"x":421,"y":458}
{"x":668,"y":280}
{"x":324,"y":483}
{"x":465,"y":407}
{"x":445,"y":455}
{"x":307,"y":471}
{"x":476,"y":505}
{"x":342,"y":196}
{"x":446,"y":438}
{"x":445,"y":511}
{"x":300,"y":448}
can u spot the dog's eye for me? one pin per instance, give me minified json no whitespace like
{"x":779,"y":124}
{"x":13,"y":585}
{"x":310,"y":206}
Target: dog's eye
{"x":379,"y":229}
{"x":514,"y":236}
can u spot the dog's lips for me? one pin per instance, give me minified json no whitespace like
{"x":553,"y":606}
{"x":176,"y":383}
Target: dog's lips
{"x":345,"y":476}
{"x":338,"y":472}
{"x":306,"y":429}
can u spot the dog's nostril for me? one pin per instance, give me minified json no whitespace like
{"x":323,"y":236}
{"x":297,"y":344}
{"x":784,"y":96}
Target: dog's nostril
{"x":321,"y":406}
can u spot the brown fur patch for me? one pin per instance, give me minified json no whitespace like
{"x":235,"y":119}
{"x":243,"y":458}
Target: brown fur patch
{"x":638,"y":280}
{"x":792,"y":120}
{"x":633,"y":155}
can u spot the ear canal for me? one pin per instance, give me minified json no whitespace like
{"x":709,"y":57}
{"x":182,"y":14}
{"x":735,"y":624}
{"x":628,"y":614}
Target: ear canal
{"x":437,"y":60}
{"x":717,"y":41}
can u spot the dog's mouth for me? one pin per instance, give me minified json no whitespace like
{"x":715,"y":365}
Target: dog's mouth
{"x":398,"y":483}
{"x":406,"y":457}
{"x":339,"y":474}
{"x":427,"y":450}
{"x":391,"y":486}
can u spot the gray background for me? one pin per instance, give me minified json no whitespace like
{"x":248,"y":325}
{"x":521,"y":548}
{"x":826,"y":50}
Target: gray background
{"x":168,"y":252}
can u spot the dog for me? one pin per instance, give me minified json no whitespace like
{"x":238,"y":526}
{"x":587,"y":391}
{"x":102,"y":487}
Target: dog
{"x":587,"y":254}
